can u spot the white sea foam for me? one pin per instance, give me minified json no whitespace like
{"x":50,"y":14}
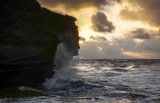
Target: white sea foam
{"x":62,"y":61}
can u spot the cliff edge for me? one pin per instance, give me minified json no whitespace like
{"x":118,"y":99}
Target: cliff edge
{"x":29,"y":36}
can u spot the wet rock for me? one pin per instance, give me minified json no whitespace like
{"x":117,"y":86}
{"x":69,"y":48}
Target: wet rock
{"x":120,"y":70}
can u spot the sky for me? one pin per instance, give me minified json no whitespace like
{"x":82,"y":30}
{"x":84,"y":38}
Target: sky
{"x":114,"y":29}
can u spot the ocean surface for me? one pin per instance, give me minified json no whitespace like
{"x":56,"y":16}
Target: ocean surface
{"x":103,"y":81}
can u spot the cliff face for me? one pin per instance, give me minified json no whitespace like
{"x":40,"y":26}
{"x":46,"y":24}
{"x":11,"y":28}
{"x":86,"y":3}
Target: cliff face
{"x":29,"y":36}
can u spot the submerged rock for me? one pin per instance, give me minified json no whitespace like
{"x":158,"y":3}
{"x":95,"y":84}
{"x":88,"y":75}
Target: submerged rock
{"x":29,"y":36}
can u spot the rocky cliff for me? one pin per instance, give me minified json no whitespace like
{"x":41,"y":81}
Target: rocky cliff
{"x":29,"y":36}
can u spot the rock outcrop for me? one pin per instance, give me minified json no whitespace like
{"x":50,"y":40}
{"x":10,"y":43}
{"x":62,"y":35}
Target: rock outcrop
{"x":29,"y":36}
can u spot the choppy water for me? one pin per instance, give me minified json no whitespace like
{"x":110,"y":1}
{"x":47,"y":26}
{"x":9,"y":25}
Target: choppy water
{"x":105,"y":81}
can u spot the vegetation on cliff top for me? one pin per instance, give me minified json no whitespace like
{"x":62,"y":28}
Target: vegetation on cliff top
{"x":16,"y":93}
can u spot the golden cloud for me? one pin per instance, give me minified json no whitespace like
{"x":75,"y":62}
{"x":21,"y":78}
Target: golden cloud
{"x":74,"y":4}
{"x":147,"y":11}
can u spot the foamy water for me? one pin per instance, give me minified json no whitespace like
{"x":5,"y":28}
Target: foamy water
{"x":104,"y":81}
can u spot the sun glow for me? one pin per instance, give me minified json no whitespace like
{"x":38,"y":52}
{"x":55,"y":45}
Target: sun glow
{"x":139,"y":55}
{"x":124,"y":24}
{"x":81,"y":42}
{"x":86,"y":33}
{"x":100,"y":49}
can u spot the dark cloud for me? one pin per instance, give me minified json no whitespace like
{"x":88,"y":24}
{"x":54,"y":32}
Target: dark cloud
{"x":114,"y":49}
{"x":148,"y":11}
{"x":90,"y":51}
{"x":100,"y":23}
{"x":82,"y":39}
{"x":141,"y":33}
{"x":148,"y":45}
{"x":98,"y":38}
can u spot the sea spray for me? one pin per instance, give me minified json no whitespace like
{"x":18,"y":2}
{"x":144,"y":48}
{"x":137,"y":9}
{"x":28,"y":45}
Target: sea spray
{"x":62,"y":61}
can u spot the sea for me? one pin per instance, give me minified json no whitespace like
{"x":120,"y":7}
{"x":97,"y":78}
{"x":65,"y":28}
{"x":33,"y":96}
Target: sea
{"x":103,"y":81}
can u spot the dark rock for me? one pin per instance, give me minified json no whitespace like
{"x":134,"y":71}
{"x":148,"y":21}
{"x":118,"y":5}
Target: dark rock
{"x":25,"y":74}
{"x":120,"y":70}
{"x":29,"y":36}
